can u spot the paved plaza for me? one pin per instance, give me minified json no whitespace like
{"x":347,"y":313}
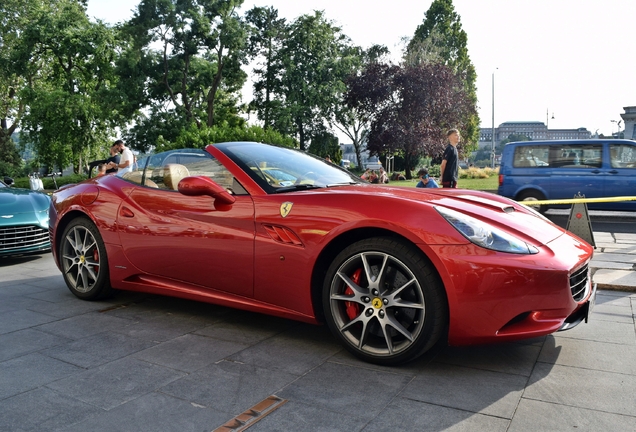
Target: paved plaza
{"x":140,"y":362}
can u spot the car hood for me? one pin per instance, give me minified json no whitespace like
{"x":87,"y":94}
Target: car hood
{"x":16,"y":203}
{"x":499,"y":211}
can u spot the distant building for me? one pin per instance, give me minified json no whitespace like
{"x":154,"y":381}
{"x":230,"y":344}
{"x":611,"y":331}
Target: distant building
{"x":534,"y":130}
{"x":349,"y":153}
{"x":629,"y":120}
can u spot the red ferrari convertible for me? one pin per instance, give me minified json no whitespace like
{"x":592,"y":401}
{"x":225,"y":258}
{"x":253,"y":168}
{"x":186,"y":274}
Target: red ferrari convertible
{"x":390,"y":270}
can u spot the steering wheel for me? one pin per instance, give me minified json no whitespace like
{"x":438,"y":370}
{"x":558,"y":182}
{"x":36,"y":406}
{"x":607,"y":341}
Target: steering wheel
{"x":309,"y":175}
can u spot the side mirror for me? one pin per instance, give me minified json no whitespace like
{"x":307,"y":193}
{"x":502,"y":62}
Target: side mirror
{"x":199,"y":185}
{"x":8,"y":181}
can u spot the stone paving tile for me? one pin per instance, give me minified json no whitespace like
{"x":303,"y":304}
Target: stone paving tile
{"x":510,"y":358}
{"x":608,"y":312}
{"x":599,"y":263}
{"x":69,"y":308}
{"x":247,"y":328}
{"x":85,"y":325}
{"x":43,"y":409}
{"x":617,"y":248}
{"x":161,"y":327}
{"x":583,"y":388}
{"x":590,"y":355}
{"x":614,"y":257}
{"x":533,"y":416}
{"x":409,"y":415}
{"x":154,"y":412}
{"x":474,"y":390}
{"x":98,"y":349}
{"x":344,"y":389}
{"x":20,"y":319}
{"x":615,"y":279}
{"x":115,"y":383}
{"x":614,"y":298}
{"x":299,"y":417}
{"x":12,"y":303}
{"x":303,"y":348}
{"x":30,"y":371}
{"x":602,"y":331}
{"x":189,"y":353}
{"x":228,"y":386}
{"x":20,"y":288}
{"x":27,"y":341}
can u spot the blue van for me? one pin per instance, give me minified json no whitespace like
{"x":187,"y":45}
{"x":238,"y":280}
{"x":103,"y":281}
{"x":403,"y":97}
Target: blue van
{"x":538,"y":170}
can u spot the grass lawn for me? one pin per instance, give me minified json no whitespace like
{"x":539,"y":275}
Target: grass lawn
{"x":487,"y":184}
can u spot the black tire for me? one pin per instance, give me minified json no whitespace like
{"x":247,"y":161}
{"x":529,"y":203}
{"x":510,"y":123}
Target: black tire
{"x":83,"y":260}
{"x":532,"y":195}
{"x":383,"y":299}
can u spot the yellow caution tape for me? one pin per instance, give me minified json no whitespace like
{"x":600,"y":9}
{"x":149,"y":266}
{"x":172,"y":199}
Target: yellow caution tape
{"x":578,"y":200}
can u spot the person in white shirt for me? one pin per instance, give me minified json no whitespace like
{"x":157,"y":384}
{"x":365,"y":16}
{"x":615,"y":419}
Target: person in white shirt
{"x":125,"y":162}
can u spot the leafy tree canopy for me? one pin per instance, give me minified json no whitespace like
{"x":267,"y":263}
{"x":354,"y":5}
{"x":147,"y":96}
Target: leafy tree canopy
{"x":441,"y":38}
{"x":410,"y":108}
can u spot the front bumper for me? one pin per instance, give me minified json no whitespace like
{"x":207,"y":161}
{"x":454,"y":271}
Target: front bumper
{"x":582,"y":313}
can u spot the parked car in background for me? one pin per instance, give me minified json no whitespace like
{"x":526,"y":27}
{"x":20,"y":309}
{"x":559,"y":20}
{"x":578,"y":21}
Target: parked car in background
{"x":390,"y":270}
{"x":24,"y":220}
{"x":549,"y":170}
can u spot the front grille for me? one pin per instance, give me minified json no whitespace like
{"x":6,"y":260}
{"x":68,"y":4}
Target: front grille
{"x":579,"y":283}
{"x":22,"y":237}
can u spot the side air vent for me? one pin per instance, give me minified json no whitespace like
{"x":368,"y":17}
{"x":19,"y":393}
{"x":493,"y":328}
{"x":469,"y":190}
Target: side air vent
{"x":283,"y":235}
{"x":578,"y":283}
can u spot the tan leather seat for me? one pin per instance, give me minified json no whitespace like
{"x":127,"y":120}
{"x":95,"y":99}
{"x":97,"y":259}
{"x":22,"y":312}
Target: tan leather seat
{"x":172,"y":175}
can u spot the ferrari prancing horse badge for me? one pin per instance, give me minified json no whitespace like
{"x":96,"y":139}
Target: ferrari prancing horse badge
{"x":285,"y":208}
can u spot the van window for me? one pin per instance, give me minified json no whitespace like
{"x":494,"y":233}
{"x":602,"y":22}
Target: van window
{"x":576,"y":156}
{"x":531,"y":156}
{"x":622,"y":156}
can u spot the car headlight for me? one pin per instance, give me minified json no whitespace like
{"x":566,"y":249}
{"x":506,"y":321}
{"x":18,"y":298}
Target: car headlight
{"x":485,"y":235}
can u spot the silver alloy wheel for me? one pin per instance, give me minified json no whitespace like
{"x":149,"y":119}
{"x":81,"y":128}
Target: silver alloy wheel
{"x":80,"y":259}
{"x":377,"y":304}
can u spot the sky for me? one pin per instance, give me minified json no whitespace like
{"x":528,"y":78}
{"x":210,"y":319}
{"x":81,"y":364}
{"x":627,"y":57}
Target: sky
{"x":568,"y":62}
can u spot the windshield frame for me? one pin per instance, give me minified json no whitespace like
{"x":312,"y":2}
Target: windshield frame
{"x":310,"y":171}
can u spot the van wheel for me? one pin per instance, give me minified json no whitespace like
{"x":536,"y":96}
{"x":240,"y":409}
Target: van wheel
{"x":529,"y":196}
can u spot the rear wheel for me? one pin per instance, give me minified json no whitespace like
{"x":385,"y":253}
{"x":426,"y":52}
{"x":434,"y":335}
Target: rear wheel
{"x":529,"y":196}
{"x":383,"y":299}
{"x":83,"y":260}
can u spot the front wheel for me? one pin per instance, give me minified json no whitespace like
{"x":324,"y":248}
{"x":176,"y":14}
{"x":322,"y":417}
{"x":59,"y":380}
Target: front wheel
{"x":529,"y":196}
{"x":384,"y":301}
{"x":83,"y":260}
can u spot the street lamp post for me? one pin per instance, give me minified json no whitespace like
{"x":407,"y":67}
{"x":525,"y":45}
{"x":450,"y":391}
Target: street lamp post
{"x":493,"y":120}
{"x":618,"y":128}
{"x":547,"y":125}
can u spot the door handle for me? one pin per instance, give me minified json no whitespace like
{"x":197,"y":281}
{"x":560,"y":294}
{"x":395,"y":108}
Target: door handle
{"x":126,"y":212}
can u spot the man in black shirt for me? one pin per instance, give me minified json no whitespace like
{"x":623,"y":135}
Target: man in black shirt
{"x":450,"y":163}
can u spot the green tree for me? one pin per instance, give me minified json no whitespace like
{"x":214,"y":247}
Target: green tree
{"x":68,"y":64}
{"x":312,"y":68}
{"x":440,"y":38}
{"x":12,"y":22}
{"x":199,"y":137}
{"x":410,"y":108}
{"x":184,"y":57}
{"x":350,"y":120}
{"x":267,"y":35}
{"x":326,"y":144}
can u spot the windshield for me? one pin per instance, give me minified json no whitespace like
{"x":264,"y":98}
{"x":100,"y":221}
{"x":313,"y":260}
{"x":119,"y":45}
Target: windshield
{"x":278,"y":169}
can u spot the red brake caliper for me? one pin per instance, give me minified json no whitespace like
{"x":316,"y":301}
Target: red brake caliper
{"x":96,"y":258}
{"x":352,"y":308}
